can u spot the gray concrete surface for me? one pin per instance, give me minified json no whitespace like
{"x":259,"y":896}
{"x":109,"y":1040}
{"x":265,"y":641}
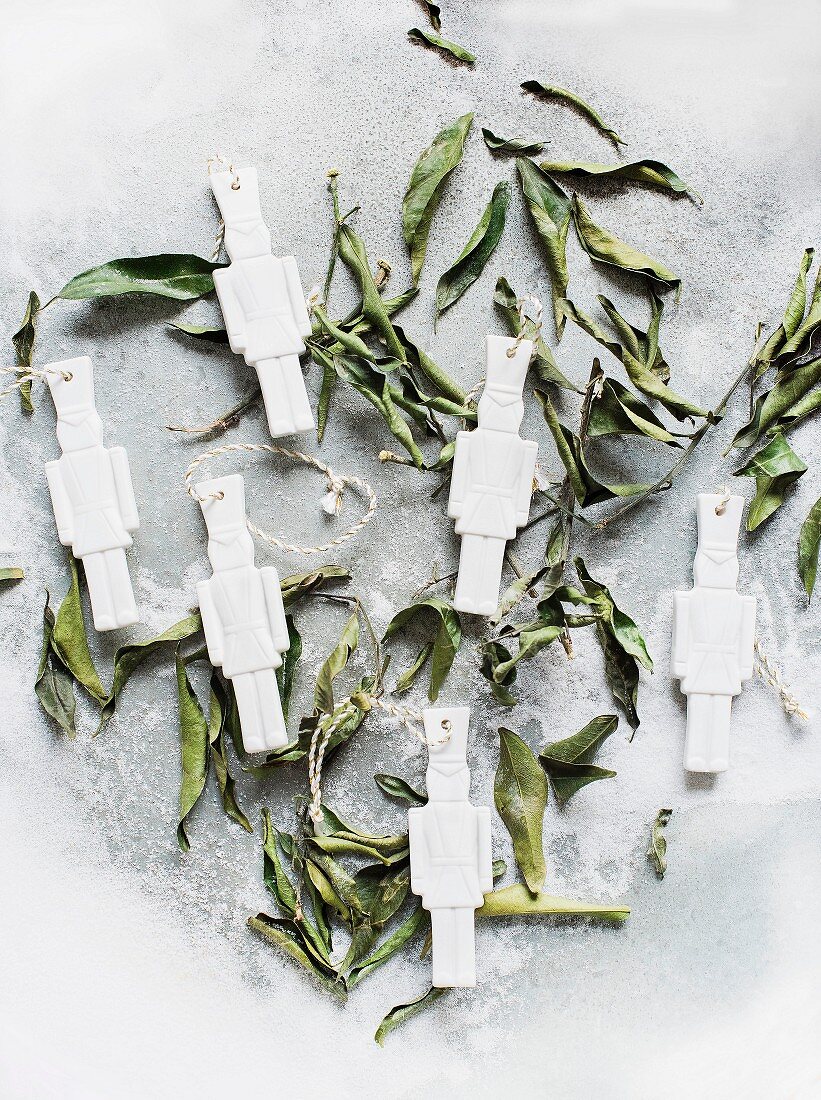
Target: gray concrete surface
{"x":128,"y":969}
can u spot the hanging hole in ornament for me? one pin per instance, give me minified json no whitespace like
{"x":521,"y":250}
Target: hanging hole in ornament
{"x":446,"y":725}
{"x":721,"y":507}
{"x":67,"y":375}
{"x":218,"y":496}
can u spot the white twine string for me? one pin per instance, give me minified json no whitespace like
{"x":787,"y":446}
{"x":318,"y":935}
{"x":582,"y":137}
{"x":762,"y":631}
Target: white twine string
{"x":474,"y":392}
{"x":721,"y":507}
{"x":331,"y":504}
{"x":31,"y":374}
{"x":537,"y":321}
{"x":771,"y":674}
{"x":343,"y":712}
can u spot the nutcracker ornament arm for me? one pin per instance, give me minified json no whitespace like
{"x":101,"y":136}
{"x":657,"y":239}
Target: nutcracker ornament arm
{"x":125,"y":488}
{"x":60,"y":503}
{"x":211,"y":624}
{"x":275,"y":608}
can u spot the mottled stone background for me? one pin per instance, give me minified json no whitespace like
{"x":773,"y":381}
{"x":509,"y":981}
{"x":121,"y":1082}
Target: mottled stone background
{"x":128,"y":970}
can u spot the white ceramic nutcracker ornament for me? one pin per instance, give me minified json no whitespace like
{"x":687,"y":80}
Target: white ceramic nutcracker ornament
{"x":262,"y":303}
{"x":492,"y":480}
{"x":713,"y":634}
{"x":450,"y":856}
{"x":92,"y":494}
{"x":242,"y":614}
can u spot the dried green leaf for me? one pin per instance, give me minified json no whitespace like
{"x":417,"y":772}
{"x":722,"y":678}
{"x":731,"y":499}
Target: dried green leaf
{"x":334,"y":664}
{"x":550,"y":209}
{"x":129,"y":657}
{"x":419,"y":359}
{"x":605,"y":247}
{"x":434,"y":13}
{"x":446,"y":641}
{"x":408,"y":677}
{"x":287,"y":670}
{"x":780,"y":403}
{"x":471,"y":261}
{"x":54,"y":685}
{"x":377,"y":389}
{"x":617,"y":411}
{"x":808,"y":541}
{"x":775,"y":468}
{"x":543,"y":364}
{"x":23,"y":341}
{"x":395,"y":787}
{"x":517,"y":901}
{"x":520,"y":794}
{"x":299,"y":585}
{"x":621,"y":641}
{"x":386,"y":950}
{"x":520,"y":147}
{"x":194,"y":744}
{"x":11,"y":573}
{"x":170,"y":275}
{"x":657,"y":852}
{"x":211,"y":335}
{"x":219,"y":708}
{"x":793,"y":316}
{"x":587,"y":489}
{"x":495,"y":654}
{"x":428,"y":38}
{"x":651,"y":172}
{"x":550,"y":91}
{"x":353,"y":254}
{"x":642,"y":345}
{"x":801,"y":341}
{"x":285,"y":935}
{"x":643,"y":378}
{"x":425,"y":187}
{"x":568,"y":762}
{"x":70,"y":640}
{"x":400,"y":1013}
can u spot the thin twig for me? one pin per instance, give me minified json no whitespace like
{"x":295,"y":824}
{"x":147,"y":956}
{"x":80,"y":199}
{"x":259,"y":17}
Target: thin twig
{"x":666,"y":481}
{"x":222,"y":423}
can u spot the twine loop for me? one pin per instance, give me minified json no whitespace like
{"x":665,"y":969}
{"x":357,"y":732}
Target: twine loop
{"x":32,"y":374}
{"x":331,"y":503}
{"x":771,"y":674}
{"x":342,"y":713}
{"x":226,"y":165}
{"x":721,"y":507}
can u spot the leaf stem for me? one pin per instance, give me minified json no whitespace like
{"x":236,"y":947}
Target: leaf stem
{"x":224,"y":422}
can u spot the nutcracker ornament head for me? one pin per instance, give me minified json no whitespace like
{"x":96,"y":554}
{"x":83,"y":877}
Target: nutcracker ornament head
{"x":230,"y":545}
{"x":237,"y":195}
{"x":500,"y":407}
{"x":72,"y":388}
{"x":447,"y":777}
{"x":719,"y":520}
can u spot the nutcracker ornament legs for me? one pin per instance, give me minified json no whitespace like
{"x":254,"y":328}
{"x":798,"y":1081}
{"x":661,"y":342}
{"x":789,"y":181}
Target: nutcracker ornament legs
{"x":262,"y":302}
{"x":242,"y":614}
{"x":450,"y":855}
{"x":713,"y":635}
{"x":92,"y":494}
{"x":492,"y":480}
